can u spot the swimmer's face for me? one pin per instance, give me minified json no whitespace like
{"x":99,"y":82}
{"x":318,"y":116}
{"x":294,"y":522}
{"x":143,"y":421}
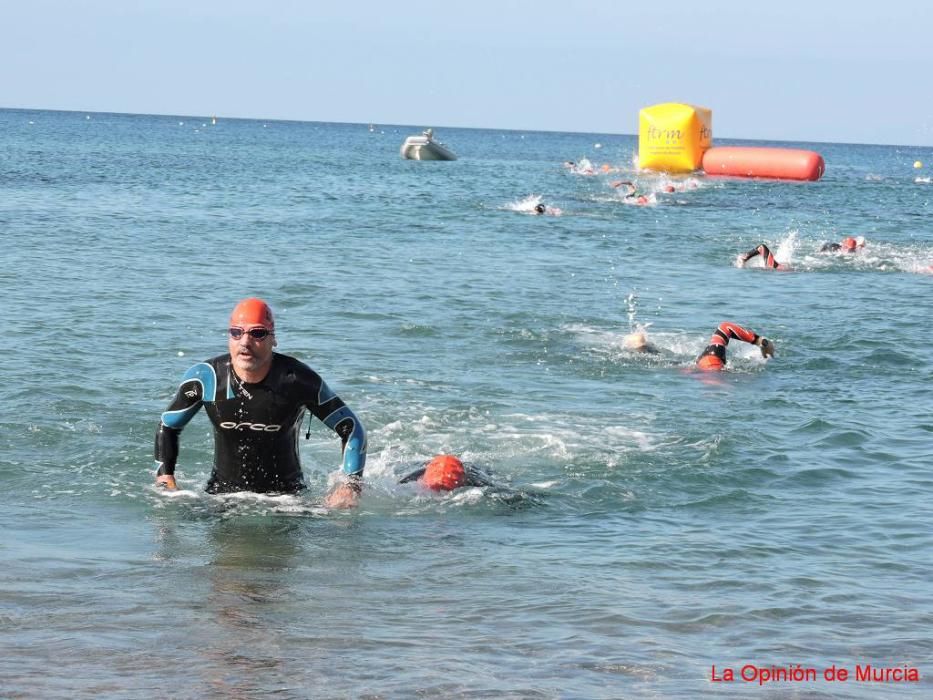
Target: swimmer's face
{"x":251,"y":356}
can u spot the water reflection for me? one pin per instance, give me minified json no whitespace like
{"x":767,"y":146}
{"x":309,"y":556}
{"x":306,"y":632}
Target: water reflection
{"x":250,"y":576}
{"x":234,"y":583}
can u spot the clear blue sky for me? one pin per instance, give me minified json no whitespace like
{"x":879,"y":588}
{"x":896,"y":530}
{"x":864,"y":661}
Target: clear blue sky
{"x":792,"y":70}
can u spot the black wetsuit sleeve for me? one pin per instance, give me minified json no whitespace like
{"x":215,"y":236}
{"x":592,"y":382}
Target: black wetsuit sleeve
{"x":414,"y":476}
{"x":330,"y":409}
{"x":188,"y":400}
{"x":166,"y":450}
{"x":474,"y":477}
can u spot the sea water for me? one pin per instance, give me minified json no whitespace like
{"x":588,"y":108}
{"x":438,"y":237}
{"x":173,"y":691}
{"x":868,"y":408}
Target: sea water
{"x":659,"y":526}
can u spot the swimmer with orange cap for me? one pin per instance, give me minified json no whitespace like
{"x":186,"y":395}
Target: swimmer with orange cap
{"x":256,"y":398}
{"x":848,"y":245}
{"x":446,"y":473}
{"x":713,"y":358}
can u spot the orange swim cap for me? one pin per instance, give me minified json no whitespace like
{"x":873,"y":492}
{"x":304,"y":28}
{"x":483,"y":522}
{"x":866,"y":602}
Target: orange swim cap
{"x":849,"y":243}
{"x":252,"y":312}
{"x":444,"y":473}
{"x":710,"y":363}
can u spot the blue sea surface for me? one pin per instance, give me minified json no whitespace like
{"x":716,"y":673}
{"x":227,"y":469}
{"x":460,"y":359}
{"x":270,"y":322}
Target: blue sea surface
{"x":649,"y":522}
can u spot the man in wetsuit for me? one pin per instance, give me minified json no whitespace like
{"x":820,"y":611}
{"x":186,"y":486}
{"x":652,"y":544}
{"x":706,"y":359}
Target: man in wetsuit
{"x":256,"y":399}
{"x":713,"y":358}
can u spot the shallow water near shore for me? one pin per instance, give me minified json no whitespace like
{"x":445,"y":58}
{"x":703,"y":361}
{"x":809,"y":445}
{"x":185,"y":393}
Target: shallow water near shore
{"x":651,"y":522}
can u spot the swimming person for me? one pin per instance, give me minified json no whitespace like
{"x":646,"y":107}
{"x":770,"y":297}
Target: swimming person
{"x":713,"y":358}
{"x":631,"y":193}
{"x":541,"y":208}
{"x":446,"y":473}
{"x":638,"y":342}
{"x":256,"y":398}
{"x":848,"y":245}
{"x":766,"y":256}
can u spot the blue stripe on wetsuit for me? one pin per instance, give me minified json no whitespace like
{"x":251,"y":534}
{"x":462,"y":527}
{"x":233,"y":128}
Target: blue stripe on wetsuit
{"x":203,"y":374}
{"x":354,"y":450}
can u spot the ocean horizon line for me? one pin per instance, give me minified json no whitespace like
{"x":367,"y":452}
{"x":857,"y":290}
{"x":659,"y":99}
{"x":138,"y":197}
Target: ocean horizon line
{"x":435,"y":126}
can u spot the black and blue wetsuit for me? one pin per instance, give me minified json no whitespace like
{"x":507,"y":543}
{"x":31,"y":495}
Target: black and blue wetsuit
{"x":256,"y":426}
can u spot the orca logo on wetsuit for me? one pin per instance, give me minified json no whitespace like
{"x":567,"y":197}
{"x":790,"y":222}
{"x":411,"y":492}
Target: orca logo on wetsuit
{"x":258,"y":427}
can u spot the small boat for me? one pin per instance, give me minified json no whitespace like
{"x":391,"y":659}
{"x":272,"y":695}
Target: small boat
{"x":424,"y":147}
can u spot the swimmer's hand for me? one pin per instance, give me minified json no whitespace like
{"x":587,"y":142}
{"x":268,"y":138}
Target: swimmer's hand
{"x":166,"y":481}
{"x":767,"y":347}
{"x":344,"y":496}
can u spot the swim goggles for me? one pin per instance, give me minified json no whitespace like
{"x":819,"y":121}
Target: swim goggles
{"x":255,"y":333}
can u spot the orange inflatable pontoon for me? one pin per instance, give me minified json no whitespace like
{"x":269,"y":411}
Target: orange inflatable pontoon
{"x":778,"y":163}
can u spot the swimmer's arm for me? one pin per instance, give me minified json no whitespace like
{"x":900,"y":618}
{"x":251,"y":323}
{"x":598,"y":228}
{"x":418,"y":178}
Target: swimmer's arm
{"x":414,"y":476}
{"x":349,"y":428}
{"x":745,"y":257}
{"x":474,"y":477}
{"x":188,"y":400}
{"x":728,"y":329}
{"x":328,"y":408}
{"x":166,"y":454}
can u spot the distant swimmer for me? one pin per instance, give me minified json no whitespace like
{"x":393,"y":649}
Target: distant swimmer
{"x":766,"y":256}
{"x":848,"y":245}
{"x":628,"y":184}
{"x":546,"y":210}
{"x":713,"y":358}
{"x":256,"y":399}
{"x":631,"y":193}
{"x":638,"y":342}
{"x":584,"y":167}
{"x":446,"y":473}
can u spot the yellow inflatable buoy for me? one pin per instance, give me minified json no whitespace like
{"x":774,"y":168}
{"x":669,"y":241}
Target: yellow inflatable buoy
{"x":918,"y":164}
{"x":672,"y":137}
